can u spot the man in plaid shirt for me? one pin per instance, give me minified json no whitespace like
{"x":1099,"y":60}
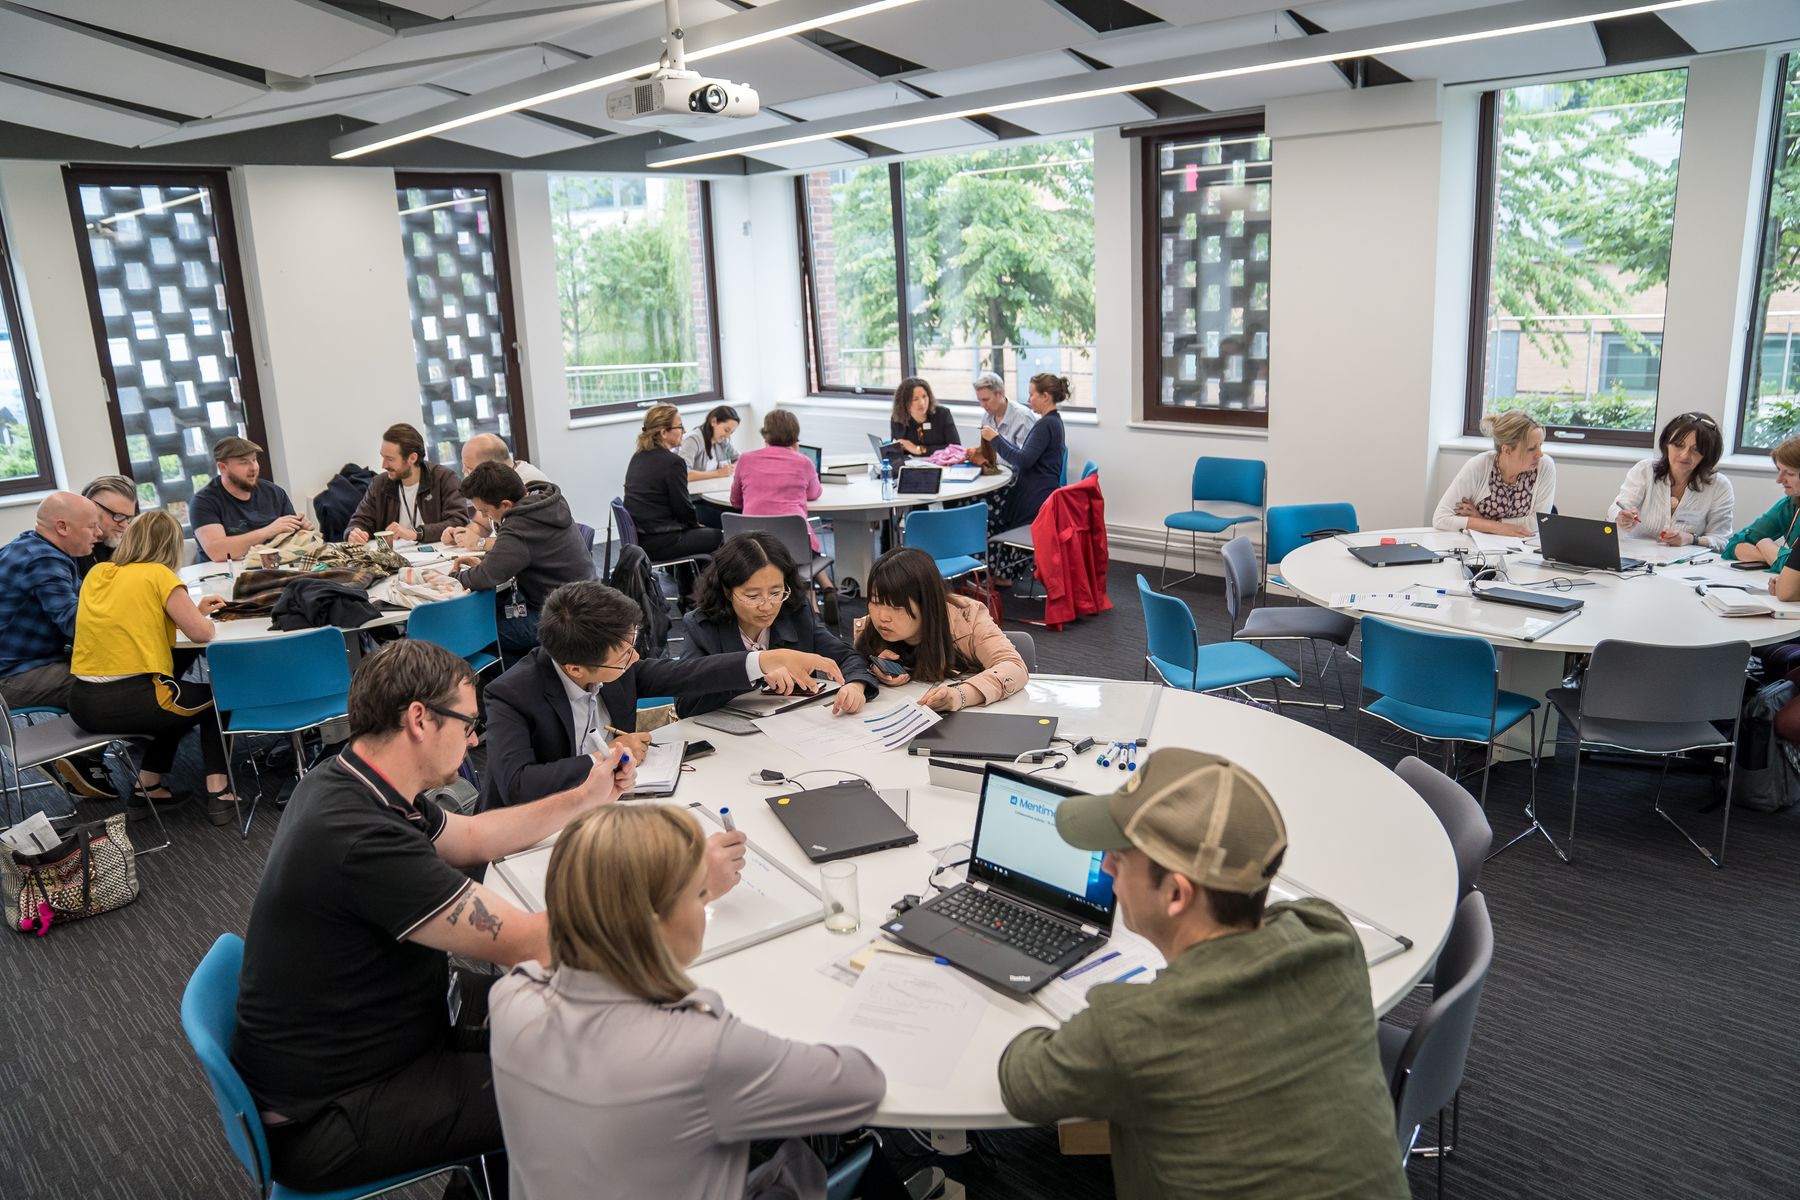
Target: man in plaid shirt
{"x":39,"y":589}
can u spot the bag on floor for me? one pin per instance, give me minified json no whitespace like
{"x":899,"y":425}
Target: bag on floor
{"x":93,"y":870}
{"x":1768,"y":768}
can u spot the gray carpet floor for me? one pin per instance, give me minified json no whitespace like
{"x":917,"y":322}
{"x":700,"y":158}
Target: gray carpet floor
{"x":1635,"y":1039}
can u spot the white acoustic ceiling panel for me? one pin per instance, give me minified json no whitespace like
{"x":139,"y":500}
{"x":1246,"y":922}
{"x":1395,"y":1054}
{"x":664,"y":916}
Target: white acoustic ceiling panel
{"x":39,"y":47}
{"x":1193,"y":12}
{"x":518,"y":135}
{"x":877,"y":100}
{"x":601,"y":9}
{"x":961,"y":33}
{"x":1067,"y":117}
{"x":810,"y":155}
{"x":294,"y":37}
{"x":401,"y":102}
{"x":43,"y":107}
{"x":468,"y":36}
{"x":1005,"y":72}
{"x":1728,"y":24}
{"x":1254,"y":91}
{"x":615,"y":26}
{"x":790,"y":69}
{"x":239,"y":122}
{"x":1575,"y":47}
{"x":1072,"y":116}
{"x":508,"y":66}
{"x":340,"y":85}
{"x":1162,"y":44}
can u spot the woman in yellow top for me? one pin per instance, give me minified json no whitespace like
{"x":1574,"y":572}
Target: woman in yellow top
{"x":124,"y":663}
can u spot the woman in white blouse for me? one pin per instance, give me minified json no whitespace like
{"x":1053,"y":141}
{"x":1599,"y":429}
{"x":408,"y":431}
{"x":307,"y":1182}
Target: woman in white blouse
{"x":1675,"y":497}
{"x":617,"y":1077}
{"x":1502,"y":490}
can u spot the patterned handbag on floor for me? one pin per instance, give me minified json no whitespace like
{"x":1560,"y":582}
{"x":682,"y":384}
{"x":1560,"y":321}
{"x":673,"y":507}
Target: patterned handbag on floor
{"x":93,"y":870}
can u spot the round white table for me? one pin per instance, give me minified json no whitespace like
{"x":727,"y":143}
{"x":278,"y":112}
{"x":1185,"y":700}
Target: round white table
{"x":1357,"y":834}
{"x":858,"y":510}
{"x":1661,"y":608}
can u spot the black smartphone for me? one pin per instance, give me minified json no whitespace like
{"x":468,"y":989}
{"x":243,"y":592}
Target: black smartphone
{"x":888,"y":666}
{"x":696,"y":750}
{"x":1738,"y":564}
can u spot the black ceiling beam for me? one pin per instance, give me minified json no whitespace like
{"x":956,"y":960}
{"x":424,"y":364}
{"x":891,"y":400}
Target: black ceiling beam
{"x":1641,"y":38}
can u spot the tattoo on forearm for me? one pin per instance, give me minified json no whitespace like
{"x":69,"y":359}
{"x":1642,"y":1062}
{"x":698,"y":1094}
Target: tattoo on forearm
{"x":456,"y":910}
{"x":483,"y":921}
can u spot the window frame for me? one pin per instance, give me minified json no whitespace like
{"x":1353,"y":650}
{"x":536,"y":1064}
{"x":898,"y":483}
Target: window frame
{"x":1487,"y":170}
{"x":712,"y":395}
{"x":1151,"y":139}
{"x":816,"y":381}
{"x":77,"y":176}
{"x":1750,"y":382}
{"x":500,"y":235}
{"x":32,"y":399}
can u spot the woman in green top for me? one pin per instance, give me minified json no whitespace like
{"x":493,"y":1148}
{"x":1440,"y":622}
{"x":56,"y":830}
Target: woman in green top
{"x":1770,"y":538}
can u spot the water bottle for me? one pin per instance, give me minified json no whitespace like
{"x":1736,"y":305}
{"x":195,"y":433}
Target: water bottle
{"x":887,"y":480}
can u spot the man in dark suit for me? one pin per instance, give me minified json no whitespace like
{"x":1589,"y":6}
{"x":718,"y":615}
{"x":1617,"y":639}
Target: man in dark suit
{"x":550,"y":717}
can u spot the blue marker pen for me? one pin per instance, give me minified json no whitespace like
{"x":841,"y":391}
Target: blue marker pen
{"x":725,"y":817}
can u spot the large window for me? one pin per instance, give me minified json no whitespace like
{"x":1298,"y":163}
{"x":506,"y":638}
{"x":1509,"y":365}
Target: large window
{"x":1772,"y":367}
{"x":159,"y":256}
{"x":948,"y":266}
{"x":24,"y":450}
{"x":453,"y":240}
{"x":1208,"y":192}
{"x":1577,"y":205}
{"x":634,"y":277}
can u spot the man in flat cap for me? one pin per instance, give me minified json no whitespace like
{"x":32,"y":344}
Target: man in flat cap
{"x":239,"y":508}
{"x":1249,"y":1067}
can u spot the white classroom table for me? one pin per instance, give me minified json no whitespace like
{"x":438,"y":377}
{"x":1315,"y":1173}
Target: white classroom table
{"x":1660,"y":608}
{"x":215,"y":579}
{"x":858,"y":510}
{"x":1358,"y":835}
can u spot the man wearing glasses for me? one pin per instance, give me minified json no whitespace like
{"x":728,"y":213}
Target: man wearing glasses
{"x":343,"y":1032}
{"x":116,"y":498}
{"x":556,"y":713}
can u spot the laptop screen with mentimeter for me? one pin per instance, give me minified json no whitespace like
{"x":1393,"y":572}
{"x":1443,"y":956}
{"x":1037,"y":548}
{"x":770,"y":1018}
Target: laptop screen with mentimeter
{"x":1017,"y":847}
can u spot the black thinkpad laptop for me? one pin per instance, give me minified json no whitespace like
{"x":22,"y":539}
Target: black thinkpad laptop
{"x":1404,"y":554}
{"x":998,"y":736}
{"x":1582,"y":544}
{"x":841,"y":821}
{"x":1032,"y":906}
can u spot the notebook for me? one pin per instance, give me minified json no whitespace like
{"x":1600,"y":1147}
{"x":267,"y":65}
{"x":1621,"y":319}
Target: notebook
{"x":660,"y":772}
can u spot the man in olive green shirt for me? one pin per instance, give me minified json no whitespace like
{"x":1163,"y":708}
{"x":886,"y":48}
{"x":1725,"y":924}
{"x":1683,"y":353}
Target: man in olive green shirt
{"x":1249,"y":1067}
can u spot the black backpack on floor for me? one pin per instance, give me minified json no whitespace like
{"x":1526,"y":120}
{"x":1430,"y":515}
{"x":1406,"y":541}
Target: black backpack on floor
{"x":1768,"y":768}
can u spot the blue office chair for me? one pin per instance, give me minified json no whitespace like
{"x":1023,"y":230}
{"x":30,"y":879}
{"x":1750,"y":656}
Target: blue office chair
{"x":1175,"y":652}
{"x":1091,"y":468}
{"x":1443,"y":687}
{"x":1291,"y":526}
{"x":278,"y":685}
{"x":1218,"y":480}
{"x":466,"y":626}
{"x":956,"y":538}
{"x":209,"y":1018}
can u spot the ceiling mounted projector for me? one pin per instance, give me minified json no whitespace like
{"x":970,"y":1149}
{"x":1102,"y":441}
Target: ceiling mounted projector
{"x":672,"y":98}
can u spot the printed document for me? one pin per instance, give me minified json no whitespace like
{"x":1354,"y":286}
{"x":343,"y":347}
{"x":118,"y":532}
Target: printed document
{"x":914,"y":1016}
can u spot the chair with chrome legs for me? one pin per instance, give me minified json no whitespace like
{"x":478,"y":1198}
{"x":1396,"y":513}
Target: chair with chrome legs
{"x":1442,"y":687}
{"x":1307,"y":625}
{"x":42,"y":743}
{"x":1241,"y":485}
{"x":1424,"y":1064}
{"x":1653,"y":700}
{"x":1175,"y":653}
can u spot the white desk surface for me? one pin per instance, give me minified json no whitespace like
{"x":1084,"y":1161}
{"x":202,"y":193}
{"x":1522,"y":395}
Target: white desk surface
{"x":863,"y":494}
{"x":1660,"y":609}
{"x":215,"y":579}
{"x":1357,"y":833}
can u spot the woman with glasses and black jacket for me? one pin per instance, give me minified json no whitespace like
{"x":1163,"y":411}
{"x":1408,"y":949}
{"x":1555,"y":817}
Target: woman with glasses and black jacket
{"x":750,"y":598}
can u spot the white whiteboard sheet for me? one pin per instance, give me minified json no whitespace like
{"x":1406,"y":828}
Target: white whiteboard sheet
{"x":768,"y":901}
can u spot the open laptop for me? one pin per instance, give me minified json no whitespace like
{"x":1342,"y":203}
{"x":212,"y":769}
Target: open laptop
{"x":840,"y":821}
{"x":1581,"y":544}
{"x":1032,"y":906}
{"x":816,"y":455}
{"x":885,"y":449}
{"x":999,"y":736}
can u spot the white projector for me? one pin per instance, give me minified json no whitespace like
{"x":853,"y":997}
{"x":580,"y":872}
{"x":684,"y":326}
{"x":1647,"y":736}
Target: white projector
{"x":677,"y":98}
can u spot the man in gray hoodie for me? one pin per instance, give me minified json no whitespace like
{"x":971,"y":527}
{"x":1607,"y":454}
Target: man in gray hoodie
{"x":537,"y":547}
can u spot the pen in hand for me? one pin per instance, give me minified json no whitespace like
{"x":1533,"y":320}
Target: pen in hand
{"x":725,"y":818}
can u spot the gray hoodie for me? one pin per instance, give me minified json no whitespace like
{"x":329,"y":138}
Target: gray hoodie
{"x":536,"y":544}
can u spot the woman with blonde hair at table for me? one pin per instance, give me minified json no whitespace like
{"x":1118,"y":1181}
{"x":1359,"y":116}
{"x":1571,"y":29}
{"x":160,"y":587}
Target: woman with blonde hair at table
{"x":616,"y":1076}
{"x":1501,"y":491}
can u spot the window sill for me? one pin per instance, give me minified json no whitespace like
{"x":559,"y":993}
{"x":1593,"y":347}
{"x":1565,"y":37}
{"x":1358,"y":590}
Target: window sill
{"x":1196,"y":429}
{"x":1558,"y":451}
{"x":635,"y":416}
{"x":21,"y":499}
{"x":961,"y":409}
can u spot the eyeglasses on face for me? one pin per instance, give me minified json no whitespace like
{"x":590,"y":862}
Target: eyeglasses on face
{"x":473,"y":726}
{"x":114,"y":515}
{"x":758,"y":599}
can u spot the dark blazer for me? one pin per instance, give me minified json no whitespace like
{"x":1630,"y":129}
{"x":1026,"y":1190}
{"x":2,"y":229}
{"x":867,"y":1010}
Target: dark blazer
{"x":531,"y":734}
{"x":1037,"y":469}
{"x":942,"y":432}
{"x":440,"y":501}
{"x":796,"y":628}
{"x":656,"y":492}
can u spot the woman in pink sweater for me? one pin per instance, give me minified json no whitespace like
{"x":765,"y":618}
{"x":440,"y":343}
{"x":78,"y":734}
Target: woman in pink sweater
{"x":778,"y":480}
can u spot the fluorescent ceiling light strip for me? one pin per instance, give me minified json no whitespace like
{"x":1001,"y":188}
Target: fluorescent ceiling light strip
{"x":698,"y":54}
{"x":1176,"y":81}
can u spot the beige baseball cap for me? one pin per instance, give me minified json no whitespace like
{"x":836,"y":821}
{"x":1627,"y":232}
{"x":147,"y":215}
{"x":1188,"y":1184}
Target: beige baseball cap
{"x":229,"y":448}
{"x":1195,"y":813}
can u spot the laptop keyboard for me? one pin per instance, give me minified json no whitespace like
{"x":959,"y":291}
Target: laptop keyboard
{"x":1024,"y":930}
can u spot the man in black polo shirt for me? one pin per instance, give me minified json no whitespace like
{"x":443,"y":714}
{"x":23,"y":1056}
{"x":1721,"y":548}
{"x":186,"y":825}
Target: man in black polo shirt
{"x":342,"y":1024}
{"x":239,"y":508}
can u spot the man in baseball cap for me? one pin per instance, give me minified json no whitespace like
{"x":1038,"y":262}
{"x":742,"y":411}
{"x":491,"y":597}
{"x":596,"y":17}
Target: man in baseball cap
{"x":1248,"y":1067}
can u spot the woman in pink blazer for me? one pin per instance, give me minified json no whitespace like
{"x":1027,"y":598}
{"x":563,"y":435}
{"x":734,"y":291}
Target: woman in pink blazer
{"x":777,"y":480}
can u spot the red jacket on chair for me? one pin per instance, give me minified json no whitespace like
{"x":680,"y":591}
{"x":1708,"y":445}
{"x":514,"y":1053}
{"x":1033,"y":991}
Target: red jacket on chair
{"x":1069,"y":542}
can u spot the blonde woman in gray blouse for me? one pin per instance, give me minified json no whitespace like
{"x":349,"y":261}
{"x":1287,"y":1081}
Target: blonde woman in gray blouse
{"x":616,"y":1076}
